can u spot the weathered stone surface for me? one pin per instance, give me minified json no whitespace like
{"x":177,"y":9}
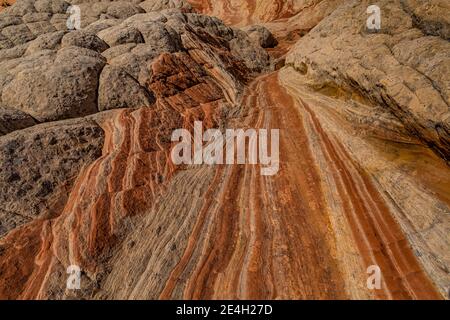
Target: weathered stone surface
{"x":49,"y":41}
{"x":101,"y":24}
{"x":261,"y":36}
{"x":83,"y":39}
{"x":41,"y":27}
{"x":9,"y":20}
{"x":401,"y":66}
{"x":21,"y":8}
{"x":192,"y":64}
{"x":38,"y":167}
{"x":36,"y":17}
{"x":123,"y":10}
{"x":118,"y":50}
{"x":284,"y":13}
{"x":18,"y":34}
{"x":117,"y":89}
{"x":50,"y":75}
{"x":121,"y":35}
{"x":158,"y":5}
{"x":255,"y":58}
{"x":357,"y":185}
{"x":12,"y":120}
{"x":52,"y":6}
{"x":5,"y":4}
{"x":67,"y":89}
{"x":430,"y":17}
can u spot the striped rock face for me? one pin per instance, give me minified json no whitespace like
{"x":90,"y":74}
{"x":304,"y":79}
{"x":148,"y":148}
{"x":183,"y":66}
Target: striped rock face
{"x":359,"y":206}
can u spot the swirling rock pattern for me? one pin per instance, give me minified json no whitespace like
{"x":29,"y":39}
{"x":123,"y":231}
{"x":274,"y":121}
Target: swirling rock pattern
{"x":87,"y":178}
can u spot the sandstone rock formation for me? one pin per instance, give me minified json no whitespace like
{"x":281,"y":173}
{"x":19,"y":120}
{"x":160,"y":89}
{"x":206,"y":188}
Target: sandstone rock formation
{"x":5,"y":4}
{"x":252,"y":11}
{"x":87,"y":178}
{"x":39,"y":166}
{"x":405,"y":66}
{"x":384,"y":87}
{"x":53,"y":75}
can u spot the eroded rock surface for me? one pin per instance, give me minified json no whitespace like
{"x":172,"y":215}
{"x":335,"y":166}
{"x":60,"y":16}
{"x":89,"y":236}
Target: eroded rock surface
{"x":404,"y":66}
{"x":52,"y":73}
{"x":385,"y":95}
{"x":12,"y":120}
{"x":51,"y":86}
{"x":39,"y":166}
{"x":159,"y":67}
{"x":87,"y":178}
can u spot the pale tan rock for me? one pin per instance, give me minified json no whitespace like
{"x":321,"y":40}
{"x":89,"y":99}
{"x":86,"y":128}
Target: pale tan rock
{"x":158,"y":5}
{"x":261,"y":35}
{"x":117,"y":89}
{"x":400,"y":66}
{"x":83,"y":39}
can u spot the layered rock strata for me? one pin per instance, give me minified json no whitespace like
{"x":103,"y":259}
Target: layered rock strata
{"x":87,"y":180}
